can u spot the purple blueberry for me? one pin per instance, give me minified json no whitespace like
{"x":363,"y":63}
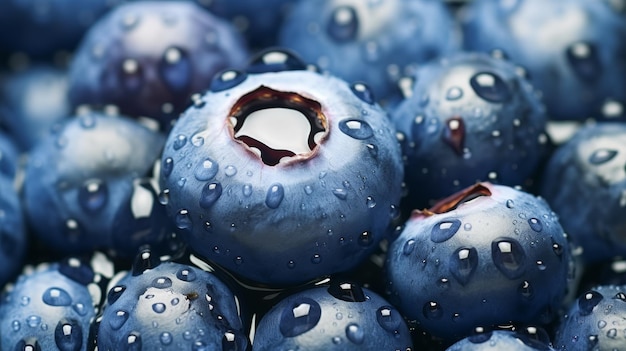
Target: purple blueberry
{"x":340,"y":316}
{"x":574,"y":51}
{"x":149,"y":57}
{"x":530,"y":339}
{"x":283,"y":177}
{"x":469,"y":117}
{"x":371,"y":41}
{"x":170,"y":306}
{"x":585,"y":184}
{"x":489,"y":255}
{"x":88,"y":185}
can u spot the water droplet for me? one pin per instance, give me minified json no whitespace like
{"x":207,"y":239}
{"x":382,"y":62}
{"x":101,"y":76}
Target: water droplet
{"x":510,"y":203}
{"x":179,"y":142}
{"x":230,"y":170}
{"x":275,"y":195}
{"x":316,"y":259}
{"x":366,"y":239}
{"x":247,"y":190}
{"x":162,"y":282}
{"x":68,"y":335}
{"x":167,"y":166}
{"x":373,"y":150}
{"x":186,"y":274}
{"x":115,"y":293}
{"x":117,"y":320}
{"x":133,"y":342}
{"x":535,"y":224}
{"x":273,"y":60}
{"x":131,"y":75}
{"x":144,"y":261}
{"x":408,"y":248}
{"x":182,"y":219}
{"x":166,"y":338}
{"x":175,"y":69}
{"x":463,"y":263}
{"x":432,"y":310}
{"x":490,"y":87}
{"x":588,"y":301}
{"x":601,"y":324}
{"x":291,"y":264}
{"x":16,"y":326}
{"x":356,"y":129}
{"x":211,"y":192}
{"x":467,"y":226}
{"x":158,"y":307}
{"x":454,"y":93}
{"x":389,"y":319}
{"x":612,"y":333}
{"x":343,"y":24}
{"x":444,"y":230}
{"x":93,"y":195}
{"x":355,"y":333}
{"x":363,"y":92}
{"x":25,"y":300}
{"x":370,"y":202}
{"x":341,"y":194}
{"x":227,"y":79}
{"x":56,"y":297}
{"x":509,"y":257}
{"x":206,"y":170}
{"x":601,"y":156}
{"x":526,"y":290}
{"x":346,"y":291}
{"x":454,"y":134}
{"x":300,"y":316}
{"x":583,"y":58}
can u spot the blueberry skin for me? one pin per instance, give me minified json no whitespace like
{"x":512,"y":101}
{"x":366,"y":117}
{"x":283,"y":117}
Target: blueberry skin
{"x":342,"y":316}
{"x":9,"y":156}
{"x":595,"y":321}
{"x":574,"y":51}
{"x":12,"y":231}
{"x":500,"y":340}
{"x":469,"y":117}
{"x":283,"y":223}
{"x":584,"y":183}
{"x":490,"y":255}
{"x":50,"y":308}
{"x":170,"y":306}
{"x":373,"y":41}
{"x":32,"y":101}
{"x":120,"y":63}
{"x":88,"y":186}
{"x":42,"y":28}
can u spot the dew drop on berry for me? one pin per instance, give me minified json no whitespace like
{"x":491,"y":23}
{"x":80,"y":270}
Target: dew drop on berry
{"x":480,"y":336}
{"x":463,"y":263}
{"x":158,"y":307}
{"x":28,"y":345}
{"x":300,"y":316}
{"x":355,"y":333}
{"x":373,"y":150}
{"x":247,"y":190}
{"x":179,"y":142}
{"x":274,"y":60}
{"x":162,"y":283}
{"x":370,"y":202}
{"x":16,"y":325}
{"x":408,"y":247}
{"x":535,"y":224}
{"x":186,"y":274}
{"x":584,"y":60}
{"x":167,"y":167}
{"x":432,"y":310}
{"x":620,"y":296}
{"x":444,"y":230}
{"x":131,"y":75}
{"x":526,"y":290}
{"x":182,"y":219}
{"x":490,"y":87}
{"x":230,"y":170}
{"x":56,"y":297}
{"x":509,"y":257}
{"x":601,"y":156}
{"x":316,"y":259}
{"x":346,"y":291}
{"x":275,"y":195}
{"x":510,"y":203}
{"x":68,"y":335}
{"x":343,"y":24}
{"x":231,"y":341}
{"x":356,"y":129}
{"x":166,"y":338}
{"x":454,"y":93}
{"x":227,"y":79}
{"x":389,"y":319}
{"x":206,"y":170}
{"x":363,"y":92}
{"x":340,"y":193}
{"x":133,"y":342}
{"x":117,"y":320}
{"x":93,"y":195}
{"x":557,"y":248}
{"x":74,"y":269}
{"x":588,"y":301}
{"x":175,"y":69}
{"x":143,"y":261}
{"x":211,"y":192}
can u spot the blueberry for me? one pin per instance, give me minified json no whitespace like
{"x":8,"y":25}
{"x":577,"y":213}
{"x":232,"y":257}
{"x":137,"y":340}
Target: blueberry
{"x":584,"y":183}
{"x":340,"y":316}
{"x":372,"y":41}
{"x":283,"y":178}
{"x":88,"y":186}
{"x":13,"y":235}
{"x":595,"y":321}
{"x":469,"y":117}
{"x":119,"y":62}
{"x":489,"y":255}
{"x":170,"y":305}
{"x":574,"y":51}
{"x":503,"y":340}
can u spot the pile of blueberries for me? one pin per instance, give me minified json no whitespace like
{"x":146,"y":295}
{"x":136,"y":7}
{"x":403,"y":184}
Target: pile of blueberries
{"x":278,"y":175}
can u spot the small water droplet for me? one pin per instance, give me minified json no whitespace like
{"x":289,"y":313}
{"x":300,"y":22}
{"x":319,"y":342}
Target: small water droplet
{"x":510,"y":203}
{"x":275,"y":195}
{"x":167,"y":166}
{"x":300,"y":316}
{"x":16,"y":326}
{"x":454,"y":134}
{"x":526,"y":290}
{"x":247,"y":190}
{"x":162,"y":283}
{"x":370,"y":202}
{"x":158,"y":307}
{"x":408,"y":247}
{"x":117,"y":320}
{"x":601,"y":156}
{"x":166,"y":338}
{"x":182,"y":219}
{"x":346,"y":291}
{"x":389,"y":319}
{"x":432,"y":310}
{"x":343,"y":24}
{"x":206,"y":170}
{"x":588,"y":301}
{"x":535,"y":224}
{"x":227,"y":79}
{"x":444,"y":230}
{"x":179,"y":142}
{"x":56,"y":297}
{"x":211,"y":192}
{"x":93,"y":195}
{"x":341,"y":194}
{"x":355,"y":333}
{"x":356,"y":129}
{"x":316,"y":258}
{"x":230,"y":171}
{"x":186,"y":274}
{"x":490,"y":87}
{"x":363,"y":92}
{"x":454,"y":93}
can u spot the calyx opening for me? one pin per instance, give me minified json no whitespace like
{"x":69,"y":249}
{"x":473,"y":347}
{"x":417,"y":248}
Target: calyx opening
{"x":453,"y":201}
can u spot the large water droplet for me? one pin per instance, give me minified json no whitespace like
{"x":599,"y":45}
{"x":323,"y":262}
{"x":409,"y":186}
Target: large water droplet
{"x":588,"y":301}
{"x":601,"y":156}
{"x":275,"y":195}
{"x":346,"y":291}
{"x":463,"y":263}
{"x":117,"y":320}
{"x":115,"y":293}
{"x":363,"y":92}
{"x":56,"y":297}
{"x":68,"y":335}
{"x":343,"y":24}
{"x":211,"y":192}
{"x":179,"y":142}
{"x":389,"y":319}
{"x":206,"y":170}
{"x":444,"y":230}
{"x":182,"y":219}
{"x":273,"y":60}
{"x":355,"y":333}
{"x":93,"y":195}
{"x":509,"y":257}
{"x":227,"y":79}
{"x":167,"y":166}
{"x":356,"y":129}
{"x":584,"y":60}
{"x":162,"y":283}
{"x":158,"y":307}
{"x":535,"y":224}
{"x":175,"y":69}
{"x":300,"y":316}
{"x":408,"y":247}
{"x":490,"y":87}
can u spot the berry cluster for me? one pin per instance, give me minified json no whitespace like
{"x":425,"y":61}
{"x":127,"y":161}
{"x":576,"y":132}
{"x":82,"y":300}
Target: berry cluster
{"x":277,"y":175}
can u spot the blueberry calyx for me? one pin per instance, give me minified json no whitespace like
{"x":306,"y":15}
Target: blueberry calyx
{"x":453,"y":201}
{"x":278,"y":126}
